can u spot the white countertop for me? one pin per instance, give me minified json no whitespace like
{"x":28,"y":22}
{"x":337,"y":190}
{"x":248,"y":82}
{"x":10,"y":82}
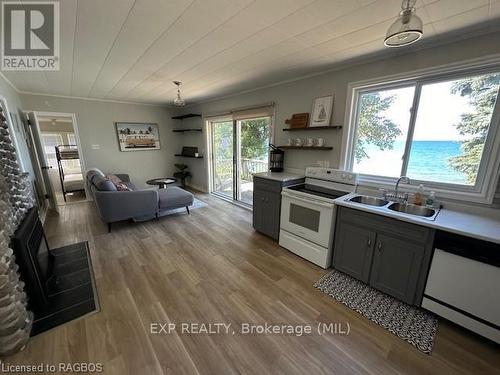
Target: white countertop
{"x":279,"y":176}
{"x":484,"y":225}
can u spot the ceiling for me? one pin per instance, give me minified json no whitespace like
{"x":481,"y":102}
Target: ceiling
{"x":132,"y":50}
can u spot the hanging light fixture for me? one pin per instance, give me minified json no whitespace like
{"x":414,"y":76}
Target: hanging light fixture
{"x":178,"y":101}
{"x":407,"y":29}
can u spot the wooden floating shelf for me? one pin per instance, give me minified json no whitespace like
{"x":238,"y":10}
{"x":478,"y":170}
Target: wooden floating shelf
{"x":319,"y":148}
{"x":188,"y":156}
{"x":189,"y":115}
{"x":187,"y":130}
{"x":314,"y":128}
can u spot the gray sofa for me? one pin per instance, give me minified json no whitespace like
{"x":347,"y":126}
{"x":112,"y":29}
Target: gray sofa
{"x":136,"y":204}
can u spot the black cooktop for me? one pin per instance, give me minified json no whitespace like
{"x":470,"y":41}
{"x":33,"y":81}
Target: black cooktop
{"x":318,"y":190}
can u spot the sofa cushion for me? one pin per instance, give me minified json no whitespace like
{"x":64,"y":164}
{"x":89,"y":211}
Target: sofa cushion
{"x":130,"y":185}
{"x":103,"y":184}
{"x":174,"y":197}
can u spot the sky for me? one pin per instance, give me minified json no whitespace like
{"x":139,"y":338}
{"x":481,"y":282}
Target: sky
{"x":438,"y":112}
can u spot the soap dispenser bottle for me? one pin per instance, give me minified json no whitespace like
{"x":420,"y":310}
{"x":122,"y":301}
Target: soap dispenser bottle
{"x":419,"y":195}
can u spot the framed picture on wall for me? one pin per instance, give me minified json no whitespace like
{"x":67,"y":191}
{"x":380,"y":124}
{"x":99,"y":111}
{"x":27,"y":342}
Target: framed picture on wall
{"x":135,"y":136}
{"x":322,"y":111}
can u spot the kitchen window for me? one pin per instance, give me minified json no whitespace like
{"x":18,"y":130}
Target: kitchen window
{"x":438,"y":130}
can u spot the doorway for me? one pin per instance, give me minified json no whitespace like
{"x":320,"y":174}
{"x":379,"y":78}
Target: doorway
{"x":240,"y":148}
{"x":59,"y":157}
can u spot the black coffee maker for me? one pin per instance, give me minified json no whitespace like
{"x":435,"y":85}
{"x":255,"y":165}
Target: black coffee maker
{"x":276,"y":159}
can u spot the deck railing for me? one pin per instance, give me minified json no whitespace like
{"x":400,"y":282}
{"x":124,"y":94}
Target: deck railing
{"x":224,"y":172}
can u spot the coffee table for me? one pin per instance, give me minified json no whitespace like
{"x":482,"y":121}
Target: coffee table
{"x":162,"y":182}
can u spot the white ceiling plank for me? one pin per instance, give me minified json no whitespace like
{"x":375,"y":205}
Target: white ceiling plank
{"x":147,"y":21}
{"x":446,"y":8}
{"x":257,"y":16}
{"x":98,"y":24}
{"x":198,"y":20}
{"x":126,"y":49}
{"x":463,"y":20}
{"x":59,"y":82}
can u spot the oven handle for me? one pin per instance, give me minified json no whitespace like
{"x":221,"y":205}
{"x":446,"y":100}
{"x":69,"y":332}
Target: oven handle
{"x":310,"y":201}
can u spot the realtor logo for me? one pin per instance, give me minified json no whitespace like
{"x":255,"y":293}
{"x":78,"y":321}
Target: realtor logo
{"x":30,"y":35}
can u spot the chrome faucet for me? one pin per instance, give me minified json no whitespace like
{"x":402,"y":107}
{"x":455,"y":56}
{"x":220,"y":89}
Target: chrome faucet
{"x":394,"y":194}
{"x":405,"y":180}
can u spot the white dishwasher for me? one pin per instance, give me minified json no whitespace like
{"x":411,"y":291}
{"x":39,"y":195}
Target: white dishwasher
{"x":464,"y":283}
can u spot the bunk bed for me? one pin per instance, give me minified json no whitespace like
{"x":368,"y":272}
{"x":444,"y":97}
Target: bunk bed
{"x":71,"y":181}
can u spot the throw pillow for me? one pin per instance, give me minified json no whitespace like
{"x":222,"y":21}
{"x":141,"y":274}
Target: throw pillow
{"x":113,"y":178}
{"x":105,"y":185}
{"x":120,"y":186}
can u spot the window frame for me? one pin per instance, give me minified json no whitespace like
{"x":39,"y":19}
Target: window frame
{"x":484,"y":189}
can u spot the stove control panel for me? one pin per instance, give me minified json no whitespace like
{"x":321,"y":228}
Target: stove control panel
{"x":334,"y":175}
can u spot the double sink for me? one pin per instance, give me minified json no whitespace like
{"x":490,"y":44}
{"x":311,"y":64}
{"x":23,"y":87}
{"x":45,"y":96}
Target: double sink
{"x":404,"y":208}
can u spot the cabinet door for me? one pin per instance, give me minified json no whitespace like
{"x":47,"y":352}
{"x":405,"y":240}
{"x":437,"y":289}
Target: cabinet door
{"x":271,"y":215}
{"x":258,"y":209}
{"x":396,"y":267}
{"x":353,"y":250}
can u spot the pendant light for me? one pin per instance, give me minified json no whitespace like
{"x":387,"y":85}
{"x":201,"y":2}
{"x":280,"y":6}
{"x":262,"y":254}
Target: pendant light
{"x":178,"y":101}
{"x":407,"y":29}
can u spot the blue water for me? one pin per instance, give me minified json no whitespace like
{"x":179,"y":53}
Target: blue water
{"x":429,"y":161}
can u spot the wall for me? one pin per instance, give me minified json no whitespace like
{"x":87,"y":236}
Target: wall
{"x":14,"y":106}
{"x":96,"y":126}
{"x":297,"y":96}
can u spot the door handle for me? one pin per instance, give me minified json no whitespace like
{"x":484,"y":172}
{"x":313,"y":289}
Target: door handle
{"x":379,"y":247}
{"x":47,"y":167}
{"x":369,"y":241}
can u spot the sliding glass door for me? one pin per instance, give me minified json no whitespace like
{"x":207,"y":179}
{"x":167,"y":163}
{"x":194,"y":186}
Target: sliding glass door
{"x":223,"y":158}
{"x":253,"y":152}
{"x":240,"y":148}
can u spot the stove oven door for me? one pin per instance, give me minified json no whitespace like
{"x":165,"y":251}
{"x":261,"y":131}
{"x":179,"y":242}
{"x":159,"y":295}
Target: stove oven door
{"x":308,"y":218}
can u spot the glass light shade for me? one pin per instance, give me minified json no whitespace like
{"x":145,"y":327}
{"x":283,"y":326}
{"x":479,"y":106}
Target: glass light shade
{"x":407,"y":29}
{"x":179,"y":102}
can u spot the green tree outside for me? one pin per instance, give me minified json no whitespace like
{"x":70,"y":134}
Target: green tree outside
{"x":482,"y":92}
{"x":373,"y":127}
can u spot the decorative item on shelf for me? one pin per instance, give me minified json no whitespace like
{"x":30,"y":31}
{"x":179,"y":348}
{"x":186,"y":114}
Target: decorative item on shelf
{"x":310,"y":142}
{"x":298,"y":142}
{"x":298,"y":120}
{"x":182,"y":173}
{"x":322,"y":111}
{"x":407,"y":29}
{"x":16,"y":198}
{"x":276,"y":159}
{"x":134,"y":136}
{"x":319,"y":142}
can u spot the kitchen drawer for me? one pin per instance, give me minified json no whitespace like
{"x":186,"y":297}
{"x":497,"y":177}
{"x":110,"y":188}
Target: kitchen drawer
{"x":266,"y":184}
{"x":412,"y":232}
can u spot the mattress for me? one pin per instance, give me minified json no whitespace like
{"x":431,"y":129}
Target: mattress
{"x":73,"y":182}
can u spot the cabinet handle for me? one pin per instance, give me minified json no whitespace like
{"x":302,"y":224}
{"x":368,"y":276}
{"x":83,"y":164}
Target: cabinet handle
{"x":380,"y":246}
{"x":369,"y":241}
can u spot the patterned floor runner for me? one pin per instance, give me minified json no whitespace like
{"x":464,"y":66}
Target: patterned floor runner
{"x":410,"y":323}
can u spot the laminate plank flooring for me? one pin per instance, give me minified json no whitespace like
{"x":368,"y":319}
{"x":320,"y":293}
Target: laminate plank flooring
{"x":212,"y":267}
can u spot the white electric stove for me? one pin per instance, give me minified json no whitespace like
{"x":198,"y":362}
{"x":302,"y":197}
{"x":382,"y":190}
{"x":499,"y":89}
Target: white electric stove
{"x":308,"y":213}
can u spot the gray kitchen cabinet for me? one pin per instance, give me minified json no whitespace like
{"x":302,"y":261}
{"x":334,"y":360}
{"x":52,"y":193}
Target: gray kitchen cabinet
{"x":267,"y":205}
{"x":396,"y":267}
{"x":390,"y":255}
{"x":354,"y":250}
{"x":266,"y":211}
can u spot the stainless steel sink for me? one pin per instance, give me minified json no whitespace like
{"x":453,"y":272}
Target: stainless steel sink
{"x":413,"y":209}
{"x":370,"y":201}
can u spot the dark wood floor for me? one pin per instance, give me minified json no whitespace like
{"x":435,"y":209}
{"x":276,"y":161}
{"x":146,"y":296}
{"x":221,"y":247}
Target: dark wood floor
{"x":211,"y":266}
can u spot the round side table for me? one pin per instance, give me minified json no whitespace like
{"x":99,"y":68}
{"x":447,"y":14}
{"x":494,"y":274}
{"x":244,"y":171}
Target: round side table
{"x":162,"y":182}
